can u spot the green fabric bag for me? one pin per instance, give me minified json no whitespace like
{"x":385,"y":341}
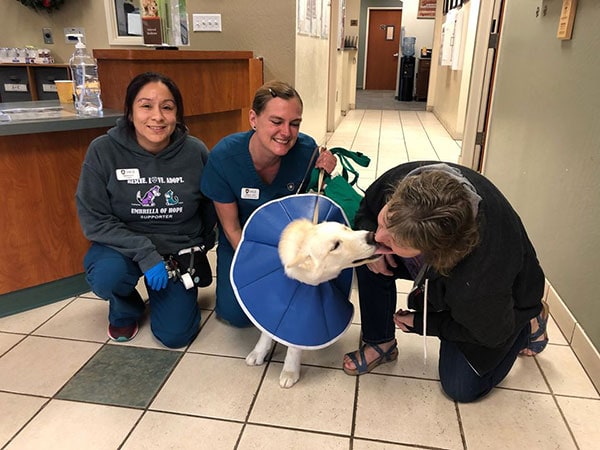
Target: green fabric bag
{"x":339,"y":188}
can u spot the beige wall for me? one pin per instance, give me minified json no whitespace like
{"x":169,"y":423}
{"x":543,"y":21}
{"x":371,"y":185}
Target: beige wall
{"x":448,"y":89}
{"x":543,"y":146}
{"x":312,"y":76}
{"x":266,"y":27}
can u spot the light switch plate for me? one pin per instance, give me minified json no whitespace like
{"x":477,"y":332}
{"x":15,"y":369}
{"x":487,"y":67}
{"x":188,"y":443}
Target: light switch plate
{"x":71,"y":31}
{"x":206,"y":22}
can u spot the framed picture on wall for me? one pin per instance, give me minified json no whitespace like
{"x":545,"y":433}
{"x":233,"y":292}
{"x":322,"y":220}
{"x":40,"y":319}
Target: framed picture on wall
{"x":426,"y":9}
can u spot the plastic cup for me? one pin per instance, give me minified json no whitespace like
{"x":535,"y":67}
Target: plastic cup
{"x":64,"y":88}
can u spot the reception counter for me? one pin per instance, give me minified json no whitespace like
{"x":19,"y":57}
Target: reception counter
{"x":42,"y":147}
{"x":41,"y":152}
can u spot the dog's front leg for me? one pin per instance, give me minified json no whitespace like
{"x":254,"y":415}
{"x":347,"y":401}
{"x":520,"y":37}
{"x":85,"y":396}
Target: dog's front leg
{"x":257,"y":356}
{"x":291,"y":368}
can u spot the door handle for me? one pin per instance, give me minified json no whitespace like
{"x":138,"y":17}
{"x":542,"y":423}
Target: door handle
{"x":396,"y":54}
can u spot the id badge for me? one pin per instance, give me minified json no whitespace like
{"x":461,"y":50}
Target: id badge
{"x":250,"y":193}
{"x":127,"y":174}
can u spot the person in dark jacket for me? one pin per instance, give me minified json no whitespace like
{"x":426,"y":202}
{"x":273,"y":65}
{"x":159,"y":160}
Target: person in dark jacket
{"x":139,"y":203}
{"x":478,"y":285}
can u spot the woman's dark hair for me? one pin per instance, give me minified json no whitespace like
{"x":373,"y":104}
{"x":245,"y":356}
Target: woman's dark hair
{"x":269,"y":91}
{"x":142,"y":80}
{"x":432,"y":212}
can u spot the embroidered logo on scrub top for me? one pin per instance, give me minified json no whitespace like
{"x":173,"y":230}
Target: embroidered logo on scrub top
{"x":250,"y":193}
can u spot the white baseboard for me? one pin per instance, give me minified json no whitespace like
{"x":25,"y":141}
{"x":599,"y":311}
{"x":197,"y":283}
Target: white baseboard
{"x":575,"y":335}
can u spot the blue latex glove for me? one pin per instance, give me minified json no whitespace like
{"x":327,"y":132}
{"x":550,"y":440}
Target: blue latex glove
{"x":157,"y":276}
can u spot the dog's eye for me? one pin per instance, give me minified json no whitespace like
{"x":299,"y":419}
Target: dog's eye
{"x":336,"y":245}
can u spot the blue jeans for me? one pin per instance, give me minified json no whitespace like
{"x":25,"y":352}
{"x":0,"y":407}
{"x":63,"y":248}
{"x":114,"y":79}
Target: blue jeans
{"x":377,"y":295}
{"x":462,"y":383}
{"x":174,"y":312}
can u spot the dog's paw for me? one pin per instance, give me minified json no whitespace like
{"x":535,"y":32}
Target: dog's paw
{"x":255,"y":358}
{"x":288,"y":378}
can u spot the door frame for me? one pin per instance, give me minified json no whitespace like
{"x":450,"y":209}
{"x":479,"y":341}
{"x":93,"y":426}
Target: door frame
{"x":366,"y":58}
{"x":479,"y":99}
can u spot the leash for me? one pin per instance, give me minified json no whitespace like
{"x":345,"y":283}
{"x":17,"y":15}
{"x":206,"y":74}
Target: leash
{"x":319,"y":189}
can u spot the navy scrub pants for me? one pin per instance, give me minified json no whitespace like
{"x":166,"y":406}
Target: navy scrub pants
{"x":227,"y":306}
{"x":174,"y":311}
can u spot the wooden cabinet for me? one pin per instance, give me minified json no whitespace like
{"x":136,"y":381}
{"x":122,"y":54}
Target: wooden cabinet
{"x":217,"y":86}
{"x":422,"y":79}
{"x":27,"y":82}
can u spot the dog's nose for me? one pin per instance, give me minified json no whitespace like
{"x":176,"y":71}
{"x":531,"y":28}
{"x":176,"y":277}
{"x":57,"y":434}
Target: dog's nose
{"x":371,"y":238}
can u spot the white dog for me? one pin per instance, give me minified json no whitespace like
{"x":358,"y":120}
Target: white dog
{"x":314,"y":254}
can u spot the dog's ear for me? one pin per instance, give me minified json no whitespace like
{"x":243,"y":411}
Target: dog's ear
{"x":307,"y":262}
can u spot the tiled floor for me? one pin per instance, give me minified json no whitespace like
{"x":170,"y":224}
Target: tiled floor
{"x":63,"y":386}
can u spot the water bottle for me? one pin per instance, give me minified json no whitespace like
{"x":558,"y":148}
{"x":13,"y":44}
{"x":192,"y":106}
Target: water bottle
{"x":84,"y":71}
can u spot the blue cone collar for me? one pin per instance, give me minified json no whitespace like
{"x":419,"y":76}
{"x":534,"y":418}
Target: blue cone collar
{"x":291,"y":312}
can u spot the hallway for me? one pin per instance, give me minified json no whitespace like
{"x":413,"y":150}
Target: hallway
{"x":63,"y":385}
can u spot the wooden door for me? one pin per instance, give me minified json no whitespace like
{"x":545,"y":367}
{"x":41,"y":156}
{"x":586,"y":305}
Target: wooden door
{"x":383,"y":45}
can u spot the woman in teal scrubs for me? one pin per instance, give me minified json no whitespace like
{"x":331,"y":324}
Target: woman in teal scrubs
{"x":246,"y":170}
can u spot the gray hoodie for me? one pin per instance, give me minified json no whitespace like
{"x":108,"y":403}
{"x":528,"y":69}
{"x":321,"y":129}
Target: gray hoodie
{"x":144,"y":205}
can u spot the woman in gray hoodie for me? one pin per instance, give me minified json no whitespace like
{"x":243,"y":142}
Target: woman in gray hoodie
{"x":139,"y":203}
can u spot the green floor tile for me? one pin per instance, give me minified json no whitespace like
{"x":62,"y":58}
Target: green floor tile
{"x":121,"y":375}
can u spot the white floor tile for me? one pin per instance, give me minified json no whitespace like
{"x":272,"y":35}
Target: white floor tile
{"x":564,"y":372}
{"x":210,"y":386}
{"x":15,"y":411}
{"x":331,"y":356}
{"x":83,"y":319}
{"x":28,"y":321}
{"x":321,"y":401}
{"x":514,"y":420}
{"x":163,"y":431}
{"x":406,"y":411}
{"x":411,"y":361}
{"x":41,"y":366}
{"x":217,"y":338}
{"x":582,"y":416}
{"x":267,"y":438}
{"x":525,"y":375}
{"x":9,"y":340}
{"x":361,"y":444}
{"x":72,"y":425}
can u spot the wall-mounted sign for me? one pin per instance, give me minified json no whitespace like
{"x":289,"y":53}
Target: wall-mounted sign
{"x":567,"y":19}
{"x":426,"y":9}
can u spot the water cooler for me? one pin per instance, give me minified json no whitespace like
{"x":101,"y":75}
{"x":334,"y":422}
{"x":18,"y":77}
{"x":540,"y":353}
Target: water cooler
{"x":407,"y":70}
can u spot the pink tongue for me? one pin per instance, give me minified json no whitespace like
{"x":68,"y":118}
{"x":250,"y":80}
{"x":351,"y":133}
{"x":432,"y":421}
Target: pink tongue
{"x":383,"y":250}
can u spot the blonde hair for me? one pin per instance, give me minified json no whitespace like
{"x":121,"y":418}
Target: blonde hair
{"x":269,"y":91}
